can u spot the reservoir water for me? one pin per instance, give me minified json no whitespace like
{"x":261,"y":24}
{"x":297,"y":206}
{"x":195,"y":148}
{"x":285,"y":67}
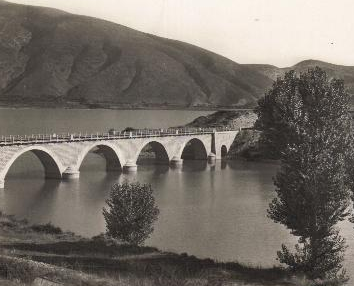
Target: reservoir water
{"x":216,"y":211}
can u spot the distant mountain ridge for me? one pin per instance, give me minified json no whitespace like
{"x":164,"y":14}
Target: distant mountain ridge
{"x":338,"y":71}
{"x":53,"y":58}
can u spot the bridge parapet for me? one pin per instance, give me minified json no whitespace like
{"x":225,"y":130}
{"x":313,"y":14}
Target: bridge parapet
{"x":114,"y":135}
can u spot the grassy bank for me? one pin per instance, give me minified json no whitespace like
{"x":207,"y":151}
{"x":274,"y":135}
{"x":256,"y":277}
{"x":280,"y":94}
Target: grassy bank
{"x":30,"y":254}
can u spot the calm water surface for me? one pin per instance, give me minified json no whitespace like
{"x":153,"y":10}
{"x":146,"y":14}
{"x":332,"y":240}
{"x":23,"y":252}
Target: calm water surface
{"x":216,"y":211}
{"x":39,"y":121}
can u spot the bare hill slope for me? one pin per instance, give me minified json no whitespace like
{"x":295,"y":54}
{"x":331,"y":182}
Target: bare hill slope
{"x":52,"y":58}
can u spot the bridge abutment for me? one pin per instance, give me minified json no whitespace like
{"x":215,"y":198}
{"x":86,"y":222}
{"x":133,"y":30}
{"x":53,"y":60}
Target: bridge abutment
{"x":222,"y":142}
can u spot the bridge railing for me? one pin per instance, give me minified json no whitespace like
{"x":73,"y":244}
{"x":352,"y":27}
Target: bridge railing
{"x":111,"y":135}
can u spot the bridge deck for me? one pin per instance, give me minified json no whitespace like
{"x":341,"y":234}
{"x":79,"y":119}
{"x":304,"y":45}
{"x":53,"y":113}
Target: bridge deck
{"x":114,"y":135}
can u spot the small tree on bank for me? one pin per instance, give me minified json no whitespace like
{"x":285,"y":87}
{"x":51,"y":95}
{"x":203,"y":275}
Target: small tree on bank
{"x":312,"y":186}
{"x":131,"y":212}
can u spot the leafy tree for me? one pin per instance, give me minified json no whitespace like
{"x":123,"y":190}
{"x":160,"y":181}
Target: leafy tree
{"x":313,"y":186}
{"x":274,"y":111}
{"x":131,"y":212}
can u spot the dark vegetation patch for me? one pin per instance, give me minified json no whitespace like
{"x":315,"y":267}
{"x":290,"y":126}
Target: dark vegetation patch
{"x":48,"y":228}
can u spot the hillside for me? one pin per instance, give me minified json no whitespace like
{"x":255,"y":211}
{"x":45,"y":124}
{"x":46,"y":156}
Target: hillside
{"x":344,"y":72}
{"x":52,"y":58}
{"x":232,"y":119}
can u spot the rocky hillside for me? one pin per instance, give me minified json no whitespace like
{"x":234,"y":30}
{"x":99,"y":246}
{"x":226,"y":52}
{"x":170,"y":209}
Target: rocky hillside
{"x":231,"y":119}
{"x":52,"y":58}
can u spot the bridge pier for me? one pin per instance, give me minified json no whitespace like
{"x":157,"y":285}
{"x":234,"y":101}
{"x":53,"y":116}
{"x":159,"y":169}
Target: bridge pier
{"x":211,"y":157}
{"x":2,"y":184}
{"x":71,"y":174}
{"x":176,"y":161}
{"x":130,"y":166}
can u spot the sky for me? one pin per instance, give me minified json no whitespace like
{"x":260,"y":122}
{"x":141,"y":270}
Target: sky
{"x":277,"y":32}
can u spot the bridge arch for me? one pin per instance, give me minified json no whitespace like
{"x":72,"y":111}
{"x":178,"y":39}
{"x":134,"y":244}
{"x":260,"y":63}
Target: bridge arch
{"x":109,"y":151}
{"x":161,"y":154}
{"x":194,"y":149}
{"x":223,"y":152}
{"x":53,"y":167}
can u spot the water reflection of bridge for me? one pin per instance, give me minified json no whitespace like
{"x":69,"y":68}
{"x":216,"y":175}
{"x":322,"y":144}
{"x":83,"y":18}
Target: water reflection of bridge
{"x":62,"y":155}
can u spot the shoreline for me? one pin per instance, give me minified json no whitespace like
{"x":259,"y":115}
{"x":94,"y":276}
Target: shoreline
{"x":103,"y":259}
{"x":84,"y":107}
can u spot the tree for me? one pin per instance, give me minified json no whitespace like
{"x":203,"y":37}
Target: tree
{"x":131,"y":212}
{"x":313,"y":185}
{"x":274,"y":112}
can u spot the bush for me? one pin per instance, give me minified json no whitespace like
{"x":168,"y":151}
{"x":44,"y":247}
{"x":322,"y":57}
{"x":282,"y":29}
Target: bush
{"x":131,"y":212}
{"x":128,"y":129}
{"x":47,"y":228}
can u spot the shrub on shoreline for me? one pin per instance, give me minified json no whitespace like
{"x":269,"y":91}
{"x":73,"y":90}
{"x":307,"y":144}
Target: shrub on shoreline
{"x":131,"y":212}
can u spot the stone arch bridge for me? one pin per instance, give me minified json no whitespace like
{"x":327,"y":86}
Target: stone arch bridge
{"x":62,"y":155}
